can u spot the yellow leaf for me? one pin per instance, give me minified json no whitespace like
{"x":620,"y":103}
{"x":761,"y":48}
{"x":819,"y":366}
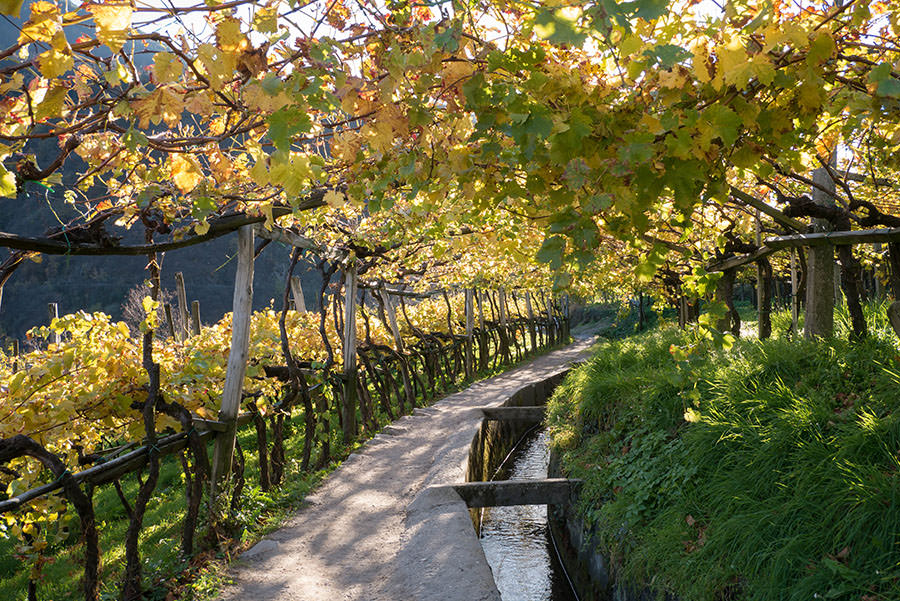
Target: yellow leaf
{"x":7,"y":182}
{"x":229,"y":37}
{"x":43,"y":23}
{"x":113,"y":20}
{"x":733,"y":64}
{"x":11,"y":7}
{"x":58,"y":59}
{"x":201,"y":227}
{"x":166,"y":67}
{"x":219,"y":66}
{"x":334,"y":199}
{"x":266,"y":209}
{"x":123,"y":329}
{"x":162,"y":104}
{"x":184,"y":171}
{"x":700,"y":64}
{"x":49,"y":102}
{"x":265,"y":20}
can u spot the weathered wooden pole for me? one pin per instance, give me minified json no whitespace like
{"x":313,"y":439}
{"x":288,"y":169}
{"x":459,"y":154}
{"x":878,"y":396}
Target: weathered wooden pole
{"x":297,"y":290}
{"x":195,"y":317}
{"x":348,"y":407}
{"x":504,"y":332}
{"x":760,"y":285}
{"x":819,"y":319}
{"x":223,"y":450}
{"x":391,"y":312}
{"x":170,"y":320}
{"x":795,"y":298}
{"x":15,"y":355}
{"x":183,"y":315}
{"x":470,"y":332}
{"x":482,"y":335}
{"x":53,"y":313}
{"x":532,"y":330}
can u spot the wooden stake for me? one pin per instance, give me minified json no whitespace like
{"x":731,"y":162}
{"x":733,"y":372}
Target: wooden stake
{"x":470,"y":331}
{"x":15,"y":354}
{"x":182,"y":306}
{"x":237,"y":359}
{"x":167,"y":309}
{"x":53,"y":311}
{"x":348,"y":408}
{"x":532,"y":330}
{"x":297,"y":290}
{"x":391,"y":312}
{"x":795,"y":300}
{"x":195,"y":317}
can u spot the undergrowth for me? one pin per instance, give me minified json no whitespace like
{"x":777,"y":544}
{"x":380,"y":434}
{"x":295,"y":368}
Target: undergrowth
{"x":767,"y":472}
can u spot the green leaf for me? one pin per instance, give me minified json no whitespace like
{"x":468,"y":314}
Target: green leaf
{"x":820,"y":49}
{"x":667,"y":55}
{"x":286,"y":123}
{"x":551,"y":251}
{"x":645,"y":272}
{"x":725,"y":121}
{"x":557,"y":28}
{"x":889,"y":87}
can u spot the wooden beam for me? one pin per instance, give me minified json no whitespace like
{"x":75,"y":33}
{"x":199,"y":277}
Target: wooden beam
{"x":763,"y":251}
{"x":279,"y":234}
{"x":237,"y":358}
{"x":835,"y":238}
{"x":515,"y":414}
{"x":549,"y":491}
{"x":778,"y":216}
{"x":297,"y":290}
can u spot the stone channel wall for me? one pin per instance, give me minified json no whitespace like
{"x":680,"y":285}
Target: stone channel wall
{"x":585,"y":562}
{"x":495,"y":438}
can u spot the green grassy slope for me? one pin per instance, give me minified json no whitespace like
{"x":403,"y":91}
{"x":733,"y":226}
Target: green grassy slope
{"x":769,"y":471}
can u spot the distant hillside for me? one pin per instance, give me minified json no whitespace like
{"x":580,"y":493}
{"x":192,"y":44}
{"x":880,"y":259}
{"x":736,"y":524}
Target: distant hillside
{"x":102,"y":283}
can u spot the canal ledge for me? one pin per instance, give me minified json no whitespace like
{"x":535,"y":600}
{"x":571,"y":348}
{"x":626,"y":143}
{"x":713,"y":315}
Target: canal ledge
{"x":442,"y":521}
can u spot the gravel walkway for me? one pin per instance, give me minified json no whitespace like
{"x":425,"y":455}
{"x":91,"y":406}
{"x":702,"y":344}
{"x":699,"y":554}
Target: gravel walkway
{"x":369,"y":535}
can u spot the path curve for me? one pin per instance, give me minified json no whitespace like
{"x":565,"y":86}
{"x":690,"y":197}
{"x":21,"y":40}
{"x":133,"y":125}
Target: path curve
{"x":369,"y":535}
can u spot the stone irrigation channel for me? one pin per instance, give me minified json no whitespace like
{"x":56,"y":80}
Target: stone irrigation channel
{"x":387,"y":525}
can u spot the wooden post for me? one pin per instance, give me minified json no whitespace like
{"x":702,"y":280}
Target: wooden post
{"x":167,"y":309}
{"x":532,"y":331}
{"x":820,"y":268}
{"x":759,"y":281}
{"x":879,"y":293}
{"x":482,"y":336}
{"x":237,"y":360}
{"x":391,"y":312}
{"x":53,"y":313}
{"x":348,"y":407}
{"x":470,"y":331}
{"x":195,"y":317}
{"x":795,"y":300}
{"x":183,"y":330}
{"x":297,"y":290}
{"x":15,"y":354}
{"x":504,"y":332}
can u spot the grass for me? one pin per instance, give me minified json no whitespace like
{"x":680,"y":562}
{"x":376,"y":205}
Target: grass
{"x":767,"y":472}
{"x":167,"y":575}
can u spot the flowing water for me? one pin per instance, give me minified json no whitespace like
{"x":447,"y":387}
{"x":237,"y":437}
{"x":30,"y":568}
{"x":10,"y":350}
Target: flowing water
{"x":516,"y":540}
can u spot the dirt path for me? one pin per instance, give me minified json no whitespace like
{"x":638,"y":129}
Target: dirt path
{"x":358,"y":539}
